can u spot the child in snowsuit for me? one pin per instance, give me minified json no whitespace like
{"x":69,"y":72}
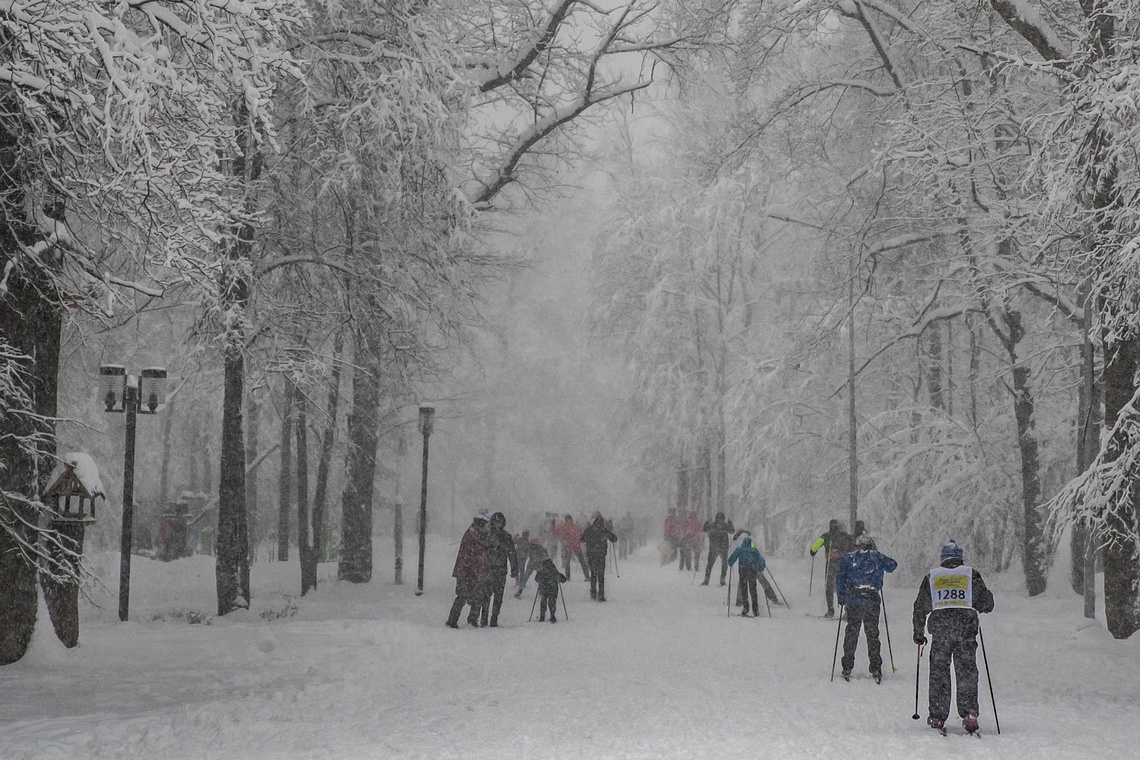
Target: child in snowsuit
{"x":952,"y":595}
{"x":751,"y":565}
{"x":858,"y":584}
{"x":548,"y":579}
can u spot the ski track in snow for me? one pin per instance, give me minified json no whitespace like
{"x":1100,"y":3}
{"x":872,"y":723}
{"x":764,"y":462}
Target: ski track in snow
{"x":658,"y":671}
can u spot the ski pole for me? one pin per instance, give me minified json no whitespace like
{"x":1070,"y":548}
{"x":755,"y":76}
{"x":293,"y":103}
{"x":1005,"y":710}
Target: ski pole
{"x":777,"y":585}
{"x":811,"y":575}
{"x":917,"y":668}
{"x":616,"y":572}
{"x":729,"y":600}
{"x":565,"y":614}
{"x":986,"y":661}
{"x":766,"y":604}
{"x":836,"y":654}
{"x":887,"y":626}
{"x":532,"y":606}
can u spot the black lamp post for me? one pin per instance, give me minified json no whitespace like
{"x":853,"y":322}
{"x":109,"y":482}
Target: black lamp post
{"x":425,"y":425}
{"x":133,"y":395}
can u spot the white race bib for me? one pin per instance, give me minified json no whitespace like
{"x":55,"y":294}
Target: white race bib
{"x":952,"y":587}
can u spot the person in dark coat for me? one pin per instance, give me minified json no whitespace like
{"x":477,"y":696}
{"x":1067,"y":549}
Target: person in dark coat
{"x":530,"y":558}
{"x":719,"y":530}
{"x":470,"y":571}
{"x":948,"y":602}
{"x":548,"y":579}
{"x":858,"y":583}
{"x":835,"y":543}
{"x":501,"y":556}
{"x":751,"y":565}
{"x":595,"y":536}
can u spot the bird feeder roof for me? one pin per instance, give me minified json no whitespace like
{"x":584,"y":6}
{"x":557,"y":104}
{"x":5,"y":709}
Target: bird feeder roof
{"x":76,"y":474}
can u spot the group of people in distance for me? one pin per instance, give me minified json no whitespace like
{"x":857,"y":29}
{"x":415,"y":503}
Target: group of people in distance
{"x":487,"y":553}
{"x":947,"y":605}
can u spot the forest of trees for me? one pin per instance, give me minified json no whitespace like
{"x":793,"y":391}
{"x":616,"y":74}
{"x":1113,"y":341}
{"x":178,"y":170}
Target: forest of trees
{"x":879,"y":258}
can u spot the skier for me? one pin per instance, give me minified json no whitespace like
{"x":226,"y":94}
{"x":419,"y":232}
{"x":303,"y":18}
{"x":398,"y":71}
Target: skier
{"x":948,"y":602}
{"x":835,"y":543}
{"x":570,"y":534}
{"x":718,"y":529}
{"x":751,"y":565}
{"x":595,"y":537}
{"x":500,"y":554}
{"x":859,"y":530}
{"x":691,"y":541}
{"x":858,"y":583}
{"x":548,"y":579}
{"x":470,"y":571}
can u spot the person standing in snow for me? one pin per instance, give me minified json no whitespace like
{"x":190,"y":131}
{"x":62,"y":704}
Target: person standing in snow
{"x":548,"y":579}
{"x":570,"y":534}
{"x":500,"y":555}
{"x":751,"y":565}
{"x":470,"y":571}
{"x":535,"y":553}
{"x":835,"y":543}
{"x":691,"y":541}
{"x":858,"y":583}
{"x":595,"y":536}
{"x":948,"y":602}
{"x":718,"y":529}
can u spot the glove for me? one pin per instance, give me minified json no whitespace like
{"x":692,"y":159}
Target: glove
{"x":920,"y":640}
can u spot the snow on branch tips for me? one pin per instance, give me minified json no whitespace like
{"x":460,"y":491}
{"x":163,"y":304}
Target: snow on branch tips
{"x":1104,"y":496}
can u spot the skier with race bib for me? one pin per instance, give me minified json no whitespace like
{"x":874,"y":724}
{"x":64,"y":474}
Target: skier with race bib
{"x":948,"y":602}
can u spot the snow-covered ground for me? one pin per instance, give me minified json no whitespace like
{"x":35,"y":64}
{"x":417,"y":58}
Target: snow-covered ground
{"x":658,"y":671}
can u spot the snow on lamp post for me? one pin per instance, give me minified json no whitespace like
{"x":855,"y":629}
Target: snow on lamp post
{"x":132,"y":395}
{"x":425,"y":427}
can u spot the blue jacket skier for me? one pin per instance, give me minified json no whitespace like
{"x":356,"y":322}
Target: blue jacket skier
{"x":751,"y":565}
{"x":858,"y":587}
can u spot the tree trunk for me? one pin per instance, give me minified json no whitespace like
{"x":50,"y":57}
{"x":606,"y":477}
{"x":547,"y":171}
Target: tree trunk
{"x":285,"y":473}
{"x":30,"y":323}
{"x":164,"y":468}
{"x":61,"y":595}
{"x":1034,"y":549}
{"x":252,"y":442}
{"x":304,"y":546}
{"x":320,"y":497}
{"x":232,"y":567}
{"x":1121,"y":566}
{"x":360,"y":469}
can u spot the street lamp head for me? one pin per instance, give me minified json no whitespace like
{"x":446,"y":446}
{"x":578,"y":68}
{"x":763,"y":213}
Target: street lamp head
{"x":426,"y":415}
{"x":112,"y":386}
{"x":152,"y":388}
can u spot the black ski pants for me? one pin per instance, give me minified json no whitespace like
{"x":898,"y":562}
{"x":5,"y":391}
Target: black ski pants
{"x":567,"y":554}
{"x":964,"y":654}
{"x":496,"y":587}
{"x":597,"y":576}
{"x":867,"y":618}
{"x":714,"y":553}
{"x":748,"y":586}
{"x":548,"y":601}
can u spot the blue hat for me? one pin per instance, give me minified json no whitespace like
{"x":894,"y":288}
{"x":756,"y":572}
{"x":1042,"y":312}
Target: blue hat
{"x":950,"y":549}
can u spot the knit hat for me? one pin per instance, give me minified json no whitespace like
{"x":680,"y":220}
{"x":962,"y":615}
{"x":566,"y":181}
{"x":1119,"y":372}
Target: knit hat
{"x":864,"y":539}
{"x":950,"y":549}
{"x":833,"y":524}
{"x":483,"y":515}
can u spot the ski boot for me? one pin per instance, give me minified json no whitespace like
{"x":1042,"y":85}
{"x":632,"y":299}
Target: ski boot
{"x":970,"y":723}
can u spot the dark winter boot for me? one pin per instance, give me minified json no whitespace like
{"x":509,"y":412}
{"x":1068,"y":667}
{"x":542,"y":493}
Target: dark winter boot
{"x":970,"y":723}
{"x":552,"y":618}
{"x":938,"y":724}
{"x":846,"y":675}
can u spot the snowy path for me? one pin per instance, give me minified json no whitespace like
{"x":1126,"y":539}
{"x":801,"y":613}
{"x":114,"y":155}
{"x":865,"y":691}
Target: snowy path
{"x":659,"y":671}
